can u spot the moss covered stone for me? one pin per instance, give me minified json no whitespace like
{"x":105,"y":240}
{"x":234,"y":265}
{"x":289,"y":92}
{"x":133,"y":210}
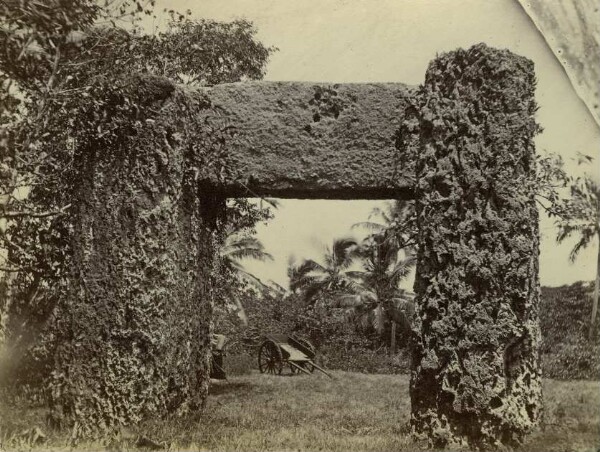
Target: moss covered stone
{"x":476,"y":377}
{"x":159,"y":161}
{"x":136,"y":315}
{"x":154,"y":164}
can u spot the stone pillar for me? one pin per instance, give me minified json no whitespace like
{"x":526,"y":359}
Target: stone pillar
{"x":136,"y":316}
{"x":475,"y":374}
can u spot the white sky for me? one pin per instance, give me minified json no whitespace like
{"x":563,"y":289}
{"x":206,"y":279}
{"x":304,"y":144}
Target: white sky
{"x":393,"y":41}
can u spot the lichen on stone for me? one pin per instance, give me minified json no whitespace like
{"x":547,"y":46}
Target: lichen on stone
{"x":476,"y":378}
{"x":309,"y":140}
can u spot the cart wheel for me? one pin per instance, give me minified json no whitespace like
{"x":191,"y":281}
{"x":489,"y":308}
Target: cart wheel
{"x":270,"y":359}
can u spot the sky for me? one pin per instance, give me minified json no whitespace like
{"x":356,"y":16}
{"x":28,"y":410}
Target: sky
{"x":393,"y":41}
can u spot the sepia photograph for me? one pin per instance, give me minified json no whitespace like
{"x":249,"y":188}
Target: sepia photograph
{"x":320,"y":225}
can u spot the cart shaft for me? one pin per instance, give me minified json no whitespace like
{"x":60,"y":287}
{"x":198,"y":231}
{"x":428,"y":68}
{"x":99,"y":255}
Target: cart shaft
{"x":321,"y":369}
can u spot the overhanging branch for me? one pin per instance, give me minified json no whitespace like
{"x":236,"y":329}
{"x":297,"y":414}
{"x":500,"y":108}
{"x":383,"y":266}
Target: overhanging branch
{"x":27,"y":213}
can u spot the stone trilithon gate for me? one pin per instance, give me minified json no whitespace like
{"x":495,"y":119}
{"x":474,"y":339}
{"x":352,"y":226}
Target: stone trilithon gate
{"x":140,"y":296}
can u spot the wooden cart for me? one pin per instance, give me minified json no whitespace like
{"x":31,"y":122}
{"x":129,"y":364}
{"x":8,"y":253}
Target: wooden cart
{"x":279,"y":351}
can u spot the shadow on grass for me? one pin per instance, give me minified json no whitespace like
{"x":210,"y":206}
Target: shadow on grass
{"x":226,"y":387}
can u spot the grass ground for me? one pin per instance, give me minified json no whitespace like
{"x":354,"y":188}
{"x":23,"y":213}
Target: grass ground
{"x":353,"y":412}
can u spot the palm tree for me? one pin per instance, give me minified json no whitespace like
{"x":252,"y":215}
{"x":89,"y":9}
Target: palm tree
{"x":237,"y":247}
{"x":580,"y":216}
{"x":367,"y":312}
{"x":386,"y":261}
{"x":388,"y":258}
{"x":385,"y":266}
{"x":335,"y":276}
{"x":396,"y":220}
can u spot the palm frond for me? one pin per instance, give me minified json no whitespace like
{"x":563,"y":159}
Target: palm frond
{"x":343,"y":253}
{"x":313,"y":290}
{"x":351,"y":285}
{"x":356,"y":274}
{"x":249,"y":253}
{"x":308,"y":266}
{"x":342,"y":247}
{"x":305,"y":274}
{"x":363,"y":299}
{"x":582,"y":243}
{"x":239,"y":246}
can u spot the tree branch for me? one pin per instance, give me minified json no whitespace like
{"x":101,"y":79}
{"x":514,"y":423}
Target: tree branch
{"x":24,"y":213}
{"x":12,"y":270}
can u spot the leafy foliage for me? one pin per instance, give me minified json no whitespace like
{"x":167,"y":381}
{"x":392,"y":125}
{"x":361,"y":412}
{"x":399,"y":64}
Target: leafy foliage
{"x":367,"y":300}
{"x":334,"y":276}
{"x":579,"y":215}
{"x":57,"y":62}
{"x":237,"y":247}
{"x":387,"y":257}
{"x":86,"y":110}
{"x":566,"y":351}
{"x":575,"y":216}
{"x":205,"y":52}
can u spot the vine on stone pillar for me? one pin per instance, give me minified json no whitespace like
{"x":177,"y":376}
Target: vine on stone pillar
{"x":136,"y":311}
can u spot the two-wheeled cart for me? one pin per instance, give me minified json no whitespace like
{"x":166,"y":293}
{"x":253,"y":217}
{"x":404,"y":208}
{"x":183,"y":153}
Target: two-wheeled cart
{"x":279,"y":351}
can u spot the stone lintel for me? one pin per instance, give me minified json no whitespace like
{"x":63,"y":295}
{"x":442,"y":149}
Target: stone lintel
{"x":312,"y":140}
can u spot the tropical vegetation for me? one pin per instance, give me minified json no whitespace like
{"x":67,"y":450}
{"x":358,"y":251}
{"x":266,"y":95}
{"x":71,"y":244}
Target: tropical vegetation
{"x":58,"y":63}
{"x":579,"y":217}
{"x":363,"y":278}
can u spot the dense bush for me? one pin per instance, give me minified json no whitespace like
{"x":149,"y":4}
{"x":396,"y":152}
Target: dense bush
{"x":239,"y":362}
{"x":359,"y":357}
{"x":340,"y":345}
{"x":566,"y":352}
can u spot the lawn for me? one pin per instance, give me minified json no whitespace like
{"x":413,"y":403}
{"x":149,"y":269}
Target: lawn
{"x":353,"y":412}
